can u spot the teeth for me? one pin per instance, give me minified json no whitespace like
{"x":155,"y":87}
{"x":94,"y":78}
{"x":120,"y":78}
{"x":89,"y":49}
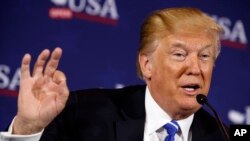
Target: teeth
{"x":189,"y":89}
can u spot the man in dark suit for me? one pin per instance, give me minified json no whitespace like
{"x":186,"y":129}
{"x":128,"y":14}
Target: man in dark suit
{"x":178,"y":49}
{"x":115,"y":115}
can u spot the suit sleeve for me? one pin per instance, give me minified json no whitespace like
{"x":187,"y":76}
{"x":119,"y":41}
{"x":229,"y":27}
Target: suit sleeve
{"x":62,"y":127}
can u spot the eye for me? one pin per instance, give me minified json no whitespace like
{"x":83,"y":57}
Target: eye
{"x":205,"y":56}
{"x":179,"y":56}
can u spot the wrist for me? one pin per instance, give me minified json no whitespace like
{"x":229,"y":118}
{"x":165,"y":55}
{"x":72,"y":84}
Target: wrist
{"x":25,"y":127}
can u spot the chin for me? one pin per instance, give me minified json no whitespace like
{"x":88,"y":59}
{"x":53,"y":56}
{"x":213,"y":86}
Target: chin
{"x":187,"y":111}
{"x":192,"y":106}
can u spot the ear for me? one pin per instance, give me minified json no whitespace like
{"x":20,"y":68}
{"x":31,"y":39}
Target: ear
{"x":146,"y":65}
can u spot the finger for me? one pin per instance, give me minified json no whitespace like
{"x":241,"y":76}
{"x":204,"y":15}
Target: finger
{"x":53,"y":62}
{"x":40,"y":63}
{"x":37,"y":88}
{"x":25,"y":66}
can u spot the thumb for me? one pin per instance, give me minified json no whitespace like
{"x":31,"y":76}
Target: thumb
{"x":60,"y":79}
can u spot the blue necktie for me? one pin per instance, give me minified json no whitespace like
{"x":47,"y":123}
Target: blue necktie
{"x":172,"y":127}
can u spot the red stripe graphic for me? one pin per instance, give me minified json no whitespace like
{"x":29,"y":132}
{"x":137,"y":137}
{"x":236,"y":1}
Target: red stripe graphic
{"x":233,"y":44}
{"x":67,"y":14}
{"x":10,"y":93}
{"x":95,"y":18}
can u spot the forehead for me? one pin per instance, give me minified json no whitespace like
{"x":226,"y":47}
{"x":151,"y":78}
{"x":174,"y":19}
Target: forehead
{"x":190,"y":39}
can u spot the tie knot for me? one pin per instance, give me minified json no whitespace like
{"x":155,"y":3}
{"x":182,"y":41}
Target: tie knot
{"x":172,"y":128}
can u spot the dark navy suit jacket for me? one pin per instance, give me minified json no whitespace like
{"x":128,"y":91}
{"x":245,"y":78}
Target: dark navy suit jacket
{"x":115,"y":115}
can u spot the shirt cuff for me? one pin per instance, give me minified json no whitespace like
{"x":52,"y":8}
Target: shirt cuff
{"x":7,"y":136}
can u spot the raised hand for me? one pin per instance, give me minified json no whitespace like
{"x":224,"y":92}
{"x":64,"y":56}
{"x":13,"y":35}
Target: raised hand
{"x":42,"y":94}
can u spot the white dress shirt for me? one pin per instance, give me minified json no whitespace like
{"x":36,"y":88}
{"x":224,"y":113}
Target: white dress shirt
{"x":156,"y":117}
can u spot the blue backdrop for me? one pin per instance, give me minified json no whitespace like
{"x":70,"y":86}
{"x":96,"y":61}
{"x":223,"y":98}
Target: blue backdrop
{"x":99,"y":39}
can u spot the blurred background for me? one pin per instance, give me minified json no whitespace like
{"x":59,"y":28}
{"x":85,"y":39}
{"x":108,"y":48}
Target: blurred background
{"x":100,"y":38}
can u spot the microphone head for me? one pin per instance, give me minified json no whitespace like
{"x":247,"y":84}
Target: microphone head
{"x":201,"y":99}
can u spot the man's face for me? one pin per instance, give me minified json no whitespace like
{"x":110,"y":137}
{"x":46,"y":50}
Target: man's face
{"x":179,"y":69}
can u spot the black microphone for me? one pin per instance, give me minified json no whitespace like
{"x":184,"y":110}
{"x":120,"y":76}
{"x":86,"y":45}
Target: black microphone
{"x":202,"y":99}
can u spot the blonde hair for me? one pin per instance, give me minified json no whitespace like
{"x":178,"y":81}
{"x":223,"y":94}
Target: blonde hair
{"x":172,"y":20}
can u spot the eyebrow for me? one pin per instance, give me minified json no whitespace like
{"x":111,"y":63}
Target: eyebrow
{"x":183,"y":46}
{"x":207,"y":46}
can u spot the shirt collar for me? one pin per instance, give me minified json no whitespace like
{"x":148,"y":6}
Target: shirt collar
{"x":156,"y":117}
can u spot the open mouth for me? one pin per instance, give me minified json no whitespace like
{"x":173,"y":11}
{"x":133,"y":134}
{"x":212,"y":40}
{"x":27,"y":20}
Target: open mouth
{"x":191,"y":87}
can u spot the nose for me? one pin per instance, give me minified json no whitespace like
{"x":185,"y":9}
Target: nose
{"x":193,"y":66}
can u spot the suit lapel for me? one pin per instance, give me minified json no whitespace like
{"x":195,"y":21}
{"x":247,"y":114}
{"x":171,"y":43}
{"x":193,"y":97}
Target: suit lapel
{"x":205,"y":128}
{"x":131,"y":130}
{"x":201,"y":126}
{"x":197,"y":130}
{"x":131,"y":127}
